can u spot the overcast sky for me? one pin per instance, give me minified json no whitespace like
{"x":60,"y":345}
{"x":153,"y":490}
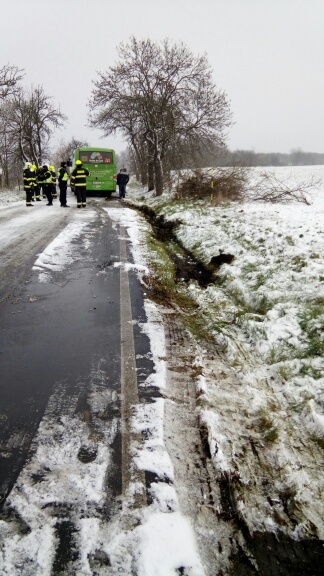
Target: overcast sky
{"x":267,"y":55}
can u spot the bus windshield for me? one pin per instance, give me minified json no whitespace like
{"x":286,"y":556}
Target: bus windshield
{"x":96,"y":157}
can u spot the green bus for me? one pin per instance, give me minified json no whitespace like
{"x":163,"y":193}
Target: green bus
{"x":101,"y":163}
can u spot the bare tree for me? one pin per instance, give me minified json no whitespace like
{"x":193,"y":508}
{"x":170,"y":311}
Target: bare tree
{"x":64,"y":151}
{"x":31,"y":119}
{"x":7,"y":148}
{"x":122,"y":114}
{"x":160,"y":97}
{"x":268,"y":187}
{"x":9,"y":77}
{"x":9,"y":86}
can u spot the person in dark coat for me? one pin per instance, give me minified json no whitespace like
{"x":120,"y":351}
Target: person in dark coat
{"x":54,"y":178}
{"x":36,"y":192}
{"x":79,"y":183}
{"x":122,"y":180}
{"x":28,"y":177}
{"x":40,"y":178}
{"x":48,"y":185}
{"x":63,"y":177}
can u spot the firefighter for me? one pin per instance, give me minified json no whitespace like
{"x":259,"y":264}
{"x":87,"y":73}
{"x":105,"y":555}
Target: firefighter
{"x":35,"y":183}
{"x":79,"y":183}
{"x":28,"y":179}
{"x":53,"y":174}
{"x":48,"y":185}
{"x":63,"y":178}
{"x":41,"y":181}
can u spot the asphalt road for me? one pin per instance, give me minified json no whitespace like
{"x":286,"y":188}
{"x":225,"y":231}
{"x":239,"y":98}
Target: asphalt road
{"x":56,"y":334}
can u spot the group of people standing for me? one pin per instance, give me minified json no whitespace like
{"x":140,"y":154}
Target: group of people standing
{"x":41,"y":183}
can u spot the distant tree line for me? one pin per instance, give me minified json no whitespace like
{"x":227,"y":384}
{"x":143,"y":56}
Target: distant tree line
{"x":296,"y":157}
{"x":223,"y":157}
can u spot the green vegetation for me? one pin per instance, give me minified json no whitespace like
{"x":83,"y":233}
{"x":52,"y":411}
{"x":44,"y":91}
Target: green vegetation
{"x":164,"y":288}
{"x":309,"y":370}
{"x":286,"y":372}
{"x":266,"y":426}
{"x":298,"y":263}
{"x":290,"y":241}
{"x":312,"y":324}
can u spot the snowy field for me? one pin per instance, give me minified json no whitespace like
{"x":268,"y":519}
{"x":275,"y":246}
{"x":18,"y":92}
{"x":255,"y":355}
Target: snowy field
{"x":262,"y":400}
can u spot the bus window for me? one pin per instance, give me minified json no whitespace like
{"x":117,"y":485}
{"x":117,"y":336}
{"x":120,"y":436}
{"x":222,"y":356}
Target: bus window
{"x":96,"y":157}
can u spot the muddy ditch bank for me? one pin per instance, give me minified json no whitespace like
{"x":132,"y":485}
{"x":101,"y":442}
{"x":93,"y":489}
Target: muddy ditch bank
{"x":187,"y":266}
{"x":269,"y":553}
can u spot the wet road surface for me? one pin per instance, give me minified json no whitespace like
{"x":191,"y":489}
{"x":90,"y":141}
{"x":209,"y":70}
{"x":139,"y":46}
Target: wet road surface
{"x":62,"y":342}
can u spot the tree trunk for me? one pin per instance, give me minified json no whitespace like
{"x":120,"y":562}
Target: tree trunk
{"x":150,"y":175}
{"x":141,"y":169}
{"x":140,"y":164}
{"x":5,"y":176}
{"x":150,"y":166}
{"x":5,"y":169}
{"x":137,"y":173}
{"x":143,"y":174}
{"x":158,"y":175}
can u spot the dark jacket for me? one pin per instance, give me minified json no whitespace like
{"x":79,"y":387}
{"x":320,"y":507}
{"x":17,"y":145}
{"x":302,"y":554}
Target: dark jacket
{"x":122,"y":178}
{"x":29,"y":178}
{"x":78,"y":177}
{"x":63,"y":175}
{"x":47,"y":177}
{"x":40,"y":175}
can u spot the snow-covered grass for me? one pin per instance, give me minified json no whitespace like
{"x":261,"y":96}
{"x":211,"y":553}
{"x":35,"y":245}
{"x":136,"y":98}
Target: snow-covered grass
{"x":9,"y":196}
{"x":262,"y":400}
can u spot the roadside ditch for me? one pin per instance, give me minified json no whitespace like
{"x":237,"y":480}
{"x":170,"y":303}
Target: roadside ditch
{"x":251,"y":553}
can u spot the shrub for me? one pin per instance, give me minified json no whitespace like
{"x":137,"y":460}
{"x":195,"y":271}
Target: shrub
{"x":225,"y":184}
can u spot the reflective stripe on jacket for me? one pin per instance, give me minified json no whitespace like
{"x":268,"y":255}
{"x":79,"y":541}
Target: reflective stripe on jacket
{"x":28,"y":177}
{"x":63,"y":175}
{"x":79,"y":177}
{"x":33,"y":179}
{"x":40,"y":175}
{"x":48,"y":177}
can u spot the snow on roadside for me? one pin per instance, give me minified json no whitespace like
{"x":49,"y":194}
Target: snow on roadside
{"x":166,"y":537}
{"x":262,"y":400}
{"x":10,"y":196}
{"x":60,"y":253}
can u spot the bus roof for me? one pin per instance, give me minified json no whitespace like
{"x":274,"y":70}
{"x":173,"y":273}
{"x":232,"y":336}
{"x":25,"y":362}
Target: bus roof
{"x":97,"y":148}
